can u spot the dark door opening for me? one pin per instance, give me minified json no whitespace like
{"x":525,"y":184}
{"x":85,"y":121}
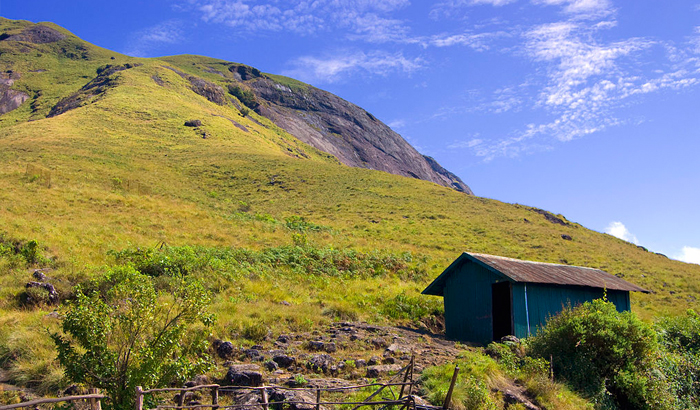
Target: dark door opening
{"x":502,"y":305}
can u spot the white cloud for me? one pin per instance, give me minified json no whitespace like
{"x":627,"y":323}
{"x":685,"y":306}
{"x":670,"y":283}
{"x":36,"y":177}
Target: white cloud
{"x":332,"y":69}
{"x":587,"y":8}
{"x":465,"y":144}
{"x":363,"y":18}
{"x":690,"y":255}
{"x":146,"y":41}
{"x":619,"y":230}
{"x":476,"y":41}
{"x":400,"y":123}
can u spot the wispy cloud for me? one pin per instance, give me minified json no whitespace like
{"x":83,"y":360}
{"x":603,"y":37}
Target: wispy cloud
{"x":583,"y":81}
{"x":470,"y":143}
{"x":455,"y":8}
{"x":398,"y":123}
{"x":619,"y":230}
{"x":361,"y":17}
{"x":145,"y":42}
{"x":581,"y":8}
{"x":690,"y":255}
{"x":334,"y":68}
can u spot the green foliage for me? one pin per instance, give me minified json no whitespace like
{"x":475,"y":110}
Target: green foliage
{"x":300,"y":258}
{"x":415,"y":308}
{"x":680,"y":360}
{"x":604,"y":354}
{"x":244,"y":95}
{"x":471,"y":390}
{"x":256,"y":332}
{"x":300,"y":380}
{"x":23,"y":252}
{"x":129,"y":334}
{"x":299,"y":223}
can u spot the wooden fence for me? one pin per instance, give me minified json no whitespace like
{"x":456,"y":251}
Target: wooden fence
{"x":404,"y":400}
{"x":94,"y":401}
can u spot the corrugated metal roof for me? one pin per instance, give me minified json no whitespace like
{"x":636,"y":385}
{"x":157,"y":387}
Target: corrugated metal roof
{"x":537,"y":272}
{"x":552,"y":273}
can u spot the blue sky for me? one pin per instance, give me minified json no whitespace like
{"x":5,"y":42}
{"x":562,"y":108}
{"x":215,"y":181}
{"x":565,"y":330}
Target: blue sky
{"x":588,"y":108}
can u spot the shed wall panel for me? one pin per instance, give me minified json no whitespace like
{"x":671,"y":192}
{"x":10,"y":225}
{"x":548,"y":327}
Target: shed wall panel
{"x":468,"y":310}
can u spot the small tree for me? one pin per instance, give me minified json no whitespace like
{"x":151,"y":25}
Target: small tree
{"x":604,"y":354}
{"x":125,"y":333}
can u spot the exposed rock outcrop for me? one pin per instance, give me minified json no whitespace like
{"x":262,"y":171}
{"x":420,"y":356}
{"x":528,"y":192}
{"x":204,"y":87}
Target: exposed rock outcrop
{"x":345,"y":130}
{"x":37,"y":34}
{"x":96,"y":87}
{"x":10,"y":99}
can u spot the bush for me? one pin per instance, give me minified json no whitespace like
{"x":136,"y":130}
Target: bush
{"x":680,"y":361}
{"x":127,"y":334}
{"x":244,"y":95}
{"x":604,"y":354}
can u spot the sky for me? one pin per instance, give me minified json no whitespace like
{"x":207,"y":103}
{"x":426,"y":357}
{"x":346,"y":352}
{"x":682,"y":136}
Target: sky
{"x":587,"y":108}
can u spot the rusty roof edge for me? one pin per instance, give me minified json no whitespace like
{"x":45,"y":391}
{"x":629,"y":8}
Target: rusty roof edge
{"x":475,"y":256}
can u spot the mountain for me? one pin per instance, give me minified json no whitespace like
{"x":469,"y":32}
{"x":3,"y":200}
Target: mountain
{"x":316,"y":117}
{"x":241,"y":178}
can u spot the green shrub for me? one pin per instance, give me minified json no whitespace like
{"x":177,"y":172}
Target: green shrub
{"x":415,"y":308}
{"x":606,"y":355}
{"x":244,"y":95}
{"x":680,"y":361}
{"x":128,"y":334}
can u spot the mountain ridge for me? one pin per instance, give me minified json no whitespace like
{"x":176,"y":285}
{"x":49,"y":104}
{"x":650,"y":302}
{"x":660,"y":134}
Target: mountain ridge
{"x":313,"y":116}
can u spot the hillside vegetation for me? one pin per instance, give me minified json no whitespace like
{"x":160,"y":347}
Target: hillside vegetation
{"x":97,"y":168}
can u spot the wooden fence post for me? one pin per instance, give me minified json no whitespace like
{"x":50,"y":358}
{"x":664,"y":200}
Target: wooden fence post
{"x":446,"y":405}
{"x":139,"y":398}
{"x":215,"y":398}
{"x":181,"y":398}
{"x":318,"y":399}
{"x":95,"y":404}
{"x":405,"y":377}
{"x":264,"y":398}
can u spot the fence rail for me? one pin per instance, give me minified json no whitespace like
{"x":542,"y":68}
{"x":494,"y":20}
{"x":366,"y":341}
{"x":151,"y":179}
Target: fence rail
{"x":94,"y":399}
{"x":405,"y":401}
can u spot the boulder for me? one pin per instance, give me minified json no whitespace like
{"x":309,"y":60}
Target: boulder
{"x":298,"y":399}
{"x":284,"y":360}
{"x":53,"y":297}
{"x":39,"y":275}
{"x":320,"y":363}
{"x":243,"y":375}
{"x":224,"y":349}
{"x":382,"y":370}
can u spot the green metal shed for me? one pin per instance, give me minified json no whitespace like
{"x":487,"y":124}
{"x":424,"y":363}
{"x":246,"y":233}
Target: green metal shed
{"x":487,"y":297}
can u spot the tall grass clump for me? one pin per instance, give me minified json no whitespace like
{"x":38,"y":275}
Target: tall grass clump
{"x":477,"y":375}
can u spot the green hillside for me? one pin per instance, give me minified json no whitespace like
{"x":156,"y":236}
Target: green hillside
{"x":261,"y":216}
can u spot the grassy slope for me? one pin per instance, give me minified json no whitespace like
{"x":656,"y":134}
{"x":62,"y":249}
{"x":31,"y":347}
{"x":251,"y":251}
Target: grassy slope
{"x":125,"y":172}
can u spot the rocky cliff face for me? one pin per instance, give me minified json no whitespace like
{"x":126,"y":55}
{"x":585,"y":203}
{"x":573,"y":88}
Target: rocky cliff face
{"x":345,"y":130}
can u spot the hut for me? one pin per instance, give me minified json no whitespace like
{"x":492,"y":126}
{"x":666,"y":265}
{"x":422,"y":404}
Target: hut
{"x":487,"y":297}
